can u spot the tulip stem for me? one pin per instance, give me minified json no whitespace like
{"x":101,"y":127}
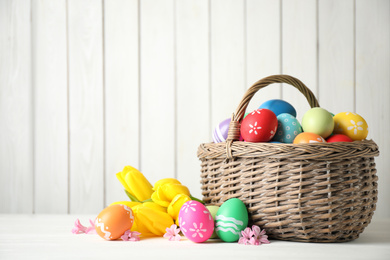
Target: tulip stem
{"x":196,"y":199}
{"x":131,"y":196}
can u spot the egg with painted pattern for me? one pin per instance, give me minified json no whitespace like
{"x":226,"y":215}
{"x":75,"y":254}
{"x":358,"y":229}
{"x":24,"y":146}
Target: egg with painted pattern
{"x":113,"y":221}
{"x":288,"y":128}
{"x":195,"y":221}
{"x":231,"y":219}
{"x":308,"y":138}
{"x":351,"y":124}
{"x":259,"y":126}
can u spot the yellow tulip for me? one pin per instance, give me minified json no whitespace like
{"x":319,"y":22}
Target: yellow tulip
{"x":175,"y":205}
{"x":151,"y":222}
{"x":130,"y":204}
{"x":155,"y":206}
{"x":135,"y":183}
{"x":165,"y":181}
{"x":165,"y":193}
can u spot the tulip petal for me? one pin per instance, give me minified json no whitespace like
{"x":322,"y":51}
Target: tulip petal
{"x":121,"y":177}
{"x":172,"y":189}
{"x":165,"y":181}
{"x":154,"y":221}
{"x":155,"y":206}
{"x":130,"y":204}
{"x":139,"y":185}
{"x":176,"y":204}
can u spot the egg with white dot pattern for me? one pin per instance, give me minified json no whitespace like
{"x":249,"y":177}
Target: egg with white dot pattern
{"x":288,"y":128}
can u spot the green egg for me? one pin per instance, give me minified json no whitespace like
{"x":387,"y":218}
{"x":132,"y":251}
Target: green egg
{"x":213,"y":211}
{"x":231,"y":219}
{"x":319,"y":121}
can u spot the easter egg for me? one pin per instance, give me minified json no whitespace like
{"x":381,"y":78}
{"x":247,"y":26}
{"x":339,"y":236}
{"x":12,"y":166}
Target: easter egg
{"x":338,"y":138}
{"x":113,"y":221}
{"x":213,"y":211}
{"x":307,"y":137}
{"x":259,"y":126}
{"x":196,"y":222}
{"x":319,"y":121}
{"x":231,"y":219}
{"x":288,"y":128}
{"x":351,"y":124}
{"x":220,"y":132}
{"x":279,"y":106}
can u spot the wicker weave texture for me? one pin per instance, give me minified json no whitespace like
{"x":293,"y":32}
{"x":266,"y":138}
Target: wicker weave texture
{"x":324,"y":192}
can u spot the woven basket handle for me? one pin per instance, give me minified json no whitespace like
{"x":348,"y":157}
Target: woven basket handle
{"x":234,"y":127}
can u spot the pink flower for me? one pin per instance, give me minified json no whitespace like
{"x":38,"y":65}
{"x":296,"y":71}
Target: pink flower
{"x":254,"y":236}
{"x":79,"y":228}
{"x":246,"y":236}
{"x":131,"y":236}
{"x":172,"y":233}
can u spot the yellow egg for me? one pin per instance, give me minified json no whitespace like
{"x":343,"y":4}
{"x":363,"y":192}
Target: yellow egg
{"x":350,"y":124}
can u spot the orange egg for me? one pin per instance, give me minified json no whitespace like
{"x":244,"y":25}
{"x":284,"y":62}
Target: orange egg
{"x":113,"y":221}
{"x":307,"y":137}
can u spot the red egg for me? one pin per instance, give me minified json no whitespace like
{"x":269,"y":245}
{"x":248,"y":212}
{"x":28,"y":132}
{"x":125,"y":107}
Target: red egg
{"x":259,"y":126}
{"x":339,"y":138}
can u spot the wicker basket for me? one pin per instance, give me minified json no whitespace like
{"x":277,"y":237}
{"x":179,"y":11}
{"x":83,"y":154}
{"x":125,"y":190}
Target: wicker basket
{"x":321,"y":192}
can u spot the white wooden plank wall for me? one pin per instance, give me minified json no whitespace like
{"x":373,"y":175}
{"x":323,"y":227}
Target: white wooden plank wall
{"x":87,"y":87}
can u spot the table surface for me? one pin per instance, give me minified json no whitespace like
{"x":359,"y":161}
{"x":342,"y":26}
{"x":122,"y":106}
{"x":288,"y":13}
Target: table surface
{"x":50,"y":237}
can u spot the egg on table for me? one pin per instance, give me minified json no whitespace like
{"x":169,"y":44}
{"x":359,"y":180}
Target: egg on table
{"x":279,"y":106}
{"x":351,"y":124}
{"x":213,"y":211}
{"x":259,"y":126}
{"x":288,"y":128}
{"x":231,"y":219}
{"x":195,"y":221}
{"x":113,"y":221}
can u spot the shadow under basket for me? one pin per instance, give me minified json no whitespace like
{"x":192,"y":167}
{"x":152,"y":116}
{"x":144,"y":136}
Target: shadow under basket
{"x":317,"y":192}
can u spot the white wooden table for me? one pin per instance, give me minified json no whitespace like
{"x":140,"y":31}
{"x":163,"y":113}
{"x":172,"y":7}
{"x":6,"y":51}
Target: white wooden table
{"x":50,"y":237}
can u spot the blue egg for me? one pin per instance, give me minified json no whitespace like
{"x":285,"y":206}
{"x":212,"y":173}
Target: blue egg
{"x":288,"y":128}
{"x":279,"y":106}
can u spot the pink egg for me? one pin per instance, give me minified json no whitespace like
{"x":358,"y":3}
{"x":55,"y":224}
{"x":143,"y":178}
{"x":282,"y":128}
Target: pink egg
{"x":196,"y":222}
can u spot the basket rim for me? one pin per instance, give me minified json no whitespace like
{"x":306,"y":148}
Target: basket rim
{"x":318,"y":151}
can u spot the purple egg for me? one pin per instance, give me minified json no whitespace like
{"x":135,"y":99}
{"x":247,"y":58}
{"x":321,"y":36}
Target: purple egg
{"x":220,"y":132}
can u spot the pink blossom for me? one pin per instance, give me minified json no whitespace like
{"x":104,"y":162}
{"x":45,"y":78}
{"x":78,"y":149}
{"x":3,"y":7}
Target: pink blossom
{"x":130,"y":236}
{"x":245,"y":237}
{"x":172,"y":233}
{"x":254,"y":236}
{"x":79,"y":228}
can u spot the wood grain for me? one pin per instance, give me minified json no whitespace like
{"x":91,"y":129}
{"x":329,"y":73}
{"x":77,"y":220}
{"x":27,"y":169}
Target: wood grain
{"x":193,"y":89}
{"x":263,"y":43}
{"x":157,"y":89}
{"x":336,"y":55}
{"x":86,"y":106}
{"x":373,"y":85}
{"x":51,"y":106}
{"x":227,"y":68}
{"x":16,"y":108}
{"x":121,"y":92}
{"x":299,"y":50}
